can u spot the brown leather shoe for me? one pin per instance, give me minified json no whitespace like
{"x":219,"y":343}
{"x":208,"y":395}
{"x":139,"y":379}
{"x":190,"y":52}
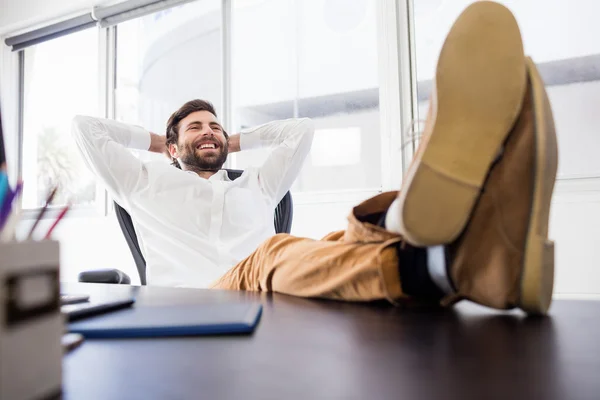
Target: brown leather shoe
{"x":504,"y":259}
{"x":479,"y":87}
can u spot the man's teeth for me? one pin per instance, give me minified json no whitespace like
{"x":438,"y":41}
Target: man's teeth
{"x":208,"y":146}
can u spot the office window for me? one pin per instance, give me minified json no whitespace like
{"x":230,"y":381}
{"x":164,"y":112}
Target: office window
{"x":165,"y":59}
{"x":317,"y":59}
{"x":60,"y":80}
{"x":561,"y":37}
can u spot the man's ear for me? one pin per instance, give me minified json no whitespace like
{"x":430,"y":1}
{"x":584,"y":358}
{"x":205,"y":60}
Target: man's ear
{"x":173,"y":150}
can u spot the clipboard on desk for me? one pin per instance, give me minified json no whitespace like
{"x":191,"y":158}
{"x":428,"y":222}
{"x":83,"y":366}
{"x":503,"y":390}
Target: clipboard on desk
{"x":168,"y":321}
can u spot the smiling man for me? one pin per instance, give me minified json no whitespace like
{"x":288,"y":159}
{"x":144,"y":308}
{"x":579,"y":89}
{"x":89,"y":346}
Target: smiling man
{"x":193,"y":223}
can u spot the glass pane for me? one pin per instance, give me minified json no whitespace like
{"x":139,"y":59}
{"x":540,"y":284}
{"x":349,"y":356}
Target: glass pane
{"x":61,"y":81}
{"x":561,"y":37}
{"x":166,"y":59}
{"x":313,"y":61}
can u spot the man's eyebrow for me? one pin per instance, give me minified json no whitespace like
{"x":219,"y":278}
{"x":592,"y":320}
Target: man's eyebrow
{"x":193,"y":123}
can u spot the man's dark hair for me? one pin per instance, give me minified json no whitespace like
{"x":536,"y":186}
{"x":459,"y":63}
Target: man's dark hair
{"x":185,"y":110}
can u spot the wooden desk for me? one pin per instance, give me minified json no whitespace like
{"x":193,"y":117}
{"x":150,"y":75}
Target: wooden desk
{"x":307,"y":349}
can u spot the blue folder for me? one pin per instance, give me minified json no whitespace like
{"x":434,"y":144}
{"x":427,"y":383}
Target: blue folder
{"x":179,"y":320}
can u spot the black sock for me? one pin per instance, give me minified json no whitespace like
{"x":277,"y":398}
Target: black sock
{"x":412,"y":266}
{"x":414,"y":274}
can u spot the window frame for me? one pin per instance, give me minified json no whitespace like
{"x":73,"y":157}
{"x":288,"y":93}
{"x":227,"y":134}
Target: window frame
{"x":397,"y":86}
{"x":99,"y":206}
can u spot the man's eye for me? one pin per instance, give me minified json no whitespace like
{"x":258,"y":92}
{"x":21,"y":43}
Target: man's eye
{"x":194,"y":127}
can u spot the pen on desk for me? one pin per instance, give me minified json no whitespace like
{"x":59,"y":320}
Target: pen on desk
{"x":71,"y":341}
{"x":42,"y":212}
{"x":6,"y":208}
{"x":63,"y":212}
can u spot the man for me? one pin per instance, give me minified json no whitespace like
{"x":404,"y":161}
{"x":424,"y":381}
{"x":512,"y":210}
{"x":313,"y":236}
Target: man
{"x":471,"y":220}
{"x":192,"y":222}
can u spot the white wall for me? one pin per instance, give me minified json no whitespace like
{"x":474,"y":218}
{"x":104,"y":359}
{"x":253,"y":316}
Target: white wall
{"x":575,"y":219}
{"x":88,"y":243}
{"x":575,"y":228}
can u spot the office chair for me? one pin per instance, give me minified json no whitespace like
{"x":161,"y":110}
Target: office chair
{"x":282,"y":219}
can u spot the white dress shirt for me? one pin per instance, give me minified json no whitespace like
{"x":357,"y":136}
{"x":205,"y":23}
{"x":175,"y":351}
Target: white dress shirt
{"x":191,"y":230}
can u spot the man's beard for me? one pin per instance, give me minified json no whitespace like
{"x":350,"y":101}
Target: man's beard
{"x":194,"y":161}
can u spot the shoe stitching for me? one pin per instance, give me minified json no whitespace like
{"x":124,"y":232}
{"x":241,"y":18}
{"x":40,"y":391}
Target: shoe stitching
{"x":450,"y":177}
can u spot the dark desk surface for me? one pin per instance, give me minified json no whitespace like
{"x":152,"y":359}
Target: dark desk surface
{"x":307,"y":349}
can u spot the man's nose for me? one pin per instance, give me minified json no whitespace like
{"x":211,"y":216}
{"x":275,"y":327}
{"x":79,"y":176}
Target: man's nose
{"x":208,"y":131}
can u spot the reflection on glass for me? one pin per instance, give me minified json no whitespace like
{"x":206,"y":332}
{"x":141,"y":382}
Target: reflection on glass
{"x":327,"y":139}
{"x":306,"y":58}
{"x":560,"y":37}
{"x":61,"y":80}
{"x":166,"y":59}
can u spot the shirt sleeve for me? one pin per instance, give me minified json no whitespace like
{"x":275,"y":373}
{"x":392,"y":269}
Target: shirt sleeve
{"x":104,"y":145}
{"x":291,"y":139}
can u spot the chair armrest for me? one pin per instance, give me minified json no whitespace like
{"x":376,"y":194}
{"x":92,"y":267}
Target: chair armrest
{"x":105,"y":276}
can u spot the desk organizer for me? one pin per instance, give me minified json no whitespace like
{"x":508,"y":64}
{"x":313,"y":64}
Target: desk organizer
{"x":31,"y":325}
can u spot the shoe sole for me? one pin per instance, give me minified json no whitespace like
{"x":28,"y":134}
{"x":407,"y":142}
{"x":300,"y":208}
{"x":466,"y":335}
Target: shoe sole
{"x":480,"y":84}
{"x":537,"y":277}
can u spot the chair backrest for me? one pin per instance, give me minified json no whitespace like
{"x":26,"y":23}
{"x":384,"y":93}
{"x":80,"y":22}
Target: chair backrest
{"x":282,"y":219}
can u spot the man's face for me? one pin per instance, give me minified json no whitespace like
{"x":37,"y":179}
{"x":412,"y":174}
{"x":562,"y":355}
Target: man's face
{"x":202,"y":143}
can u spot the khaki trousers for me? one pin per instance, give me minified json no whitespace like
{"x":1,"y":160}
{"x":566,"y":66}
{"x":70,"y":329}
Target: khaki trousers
{"x":359,"y":264}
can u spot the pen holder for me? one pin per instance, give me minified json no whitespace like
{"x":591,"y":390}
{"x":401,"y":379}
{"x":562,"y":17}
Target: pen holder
{"x":31,"y":325}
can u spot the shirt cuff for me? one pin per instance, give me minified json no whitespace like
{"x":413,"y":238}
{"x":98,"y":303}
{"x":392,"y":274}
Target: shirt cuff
{"x":250,"y":139}
{"x":139,"y":138}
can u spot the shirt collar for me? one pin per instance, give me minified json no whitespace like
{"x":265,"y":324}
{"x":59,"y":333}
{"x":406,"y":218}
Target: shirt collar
{"x":220,"y":175}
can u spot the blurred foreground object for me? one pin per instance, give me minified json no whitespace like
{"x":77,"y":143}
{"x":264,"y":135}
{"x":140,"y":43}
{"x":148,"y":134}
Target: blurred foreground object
{"x":31,"y":325}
